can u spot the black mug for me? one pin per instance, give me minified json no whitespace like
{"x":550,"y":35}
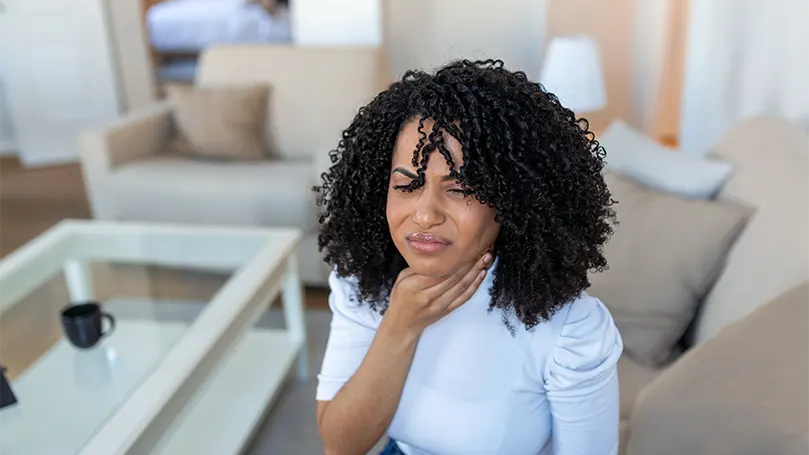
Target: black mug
{"x":82,"y":324}
{"x":7,"y":397}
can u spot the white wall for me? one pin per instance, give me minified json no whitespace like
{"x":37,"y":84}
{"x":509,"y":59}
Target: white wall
{"x":427,"y":33}
{"x":7,"y":139}
{"x":136,"y":78}
{"x":336,"y":22}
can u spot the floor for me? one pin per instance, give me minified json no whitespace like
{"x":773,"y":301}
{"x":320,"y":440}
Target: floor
{"x":32,"y":200}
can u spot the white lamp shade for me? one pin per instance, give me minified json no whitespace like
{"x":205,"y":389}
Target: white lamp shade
{"x":572,"y":71}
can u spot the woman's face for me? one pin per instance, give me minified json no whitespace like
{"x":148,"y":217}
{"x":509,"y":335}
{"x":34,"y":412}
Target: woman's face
{"x":437,"y":228}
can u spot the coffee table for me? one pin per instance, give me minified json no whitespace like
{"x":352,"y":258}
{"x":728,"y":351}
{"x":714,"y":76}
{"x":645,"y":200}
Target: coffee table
{"x":189,"y":367}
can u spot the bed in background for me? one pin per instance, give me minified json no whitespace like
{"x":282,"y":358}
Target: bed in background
{"x":179,"y":30}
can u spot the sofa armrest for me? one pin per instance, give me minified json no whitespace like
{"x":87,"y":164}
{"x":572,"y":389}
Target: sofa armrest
{"x":105,"y":147}
{"x":743,"y":392}
{"x":321,"y":163}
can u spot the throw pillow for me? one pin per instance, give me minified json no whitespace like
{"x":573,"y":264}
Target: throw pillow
{"x":743,"y":392}
{"x":634,"y":155}
{"x":220,"y":122}
{"x":663,"y":258}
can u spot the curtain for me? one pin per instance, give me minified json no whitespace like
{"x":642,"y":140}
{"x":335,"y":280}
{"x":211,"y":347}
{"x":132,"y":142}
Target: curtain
{"x":744,"y":58}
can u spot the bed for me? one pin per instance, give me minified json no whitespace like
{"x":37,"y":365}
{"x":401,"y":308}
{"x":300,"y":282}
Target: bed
{"x":188,"y":26}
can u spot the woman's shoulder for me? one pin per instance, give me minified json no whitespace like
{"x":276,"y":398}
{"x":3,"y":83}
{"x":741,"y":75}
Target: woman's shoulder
{"x":344,"y":300}
{"x":578,"y":341}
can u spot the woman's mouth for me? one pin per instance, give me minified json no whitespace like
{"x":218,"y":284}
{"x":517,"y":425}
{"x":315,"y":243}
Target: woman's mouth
{"x":427,"y":243}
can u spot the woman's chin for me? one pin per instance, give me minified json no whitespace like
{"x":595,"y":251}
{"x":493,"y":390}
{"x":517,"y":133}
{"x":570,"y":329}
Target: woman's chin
{"x":430,"y":267}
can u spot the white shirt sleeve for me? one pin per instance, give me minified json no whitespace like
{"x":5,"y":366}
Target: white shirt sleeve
{"x":582,"y":382}
{"x":353,"y":327}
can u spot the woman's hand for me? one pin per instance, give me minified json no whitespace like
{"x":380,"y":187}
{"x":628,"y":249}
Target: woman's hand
{"x":417,"y":301}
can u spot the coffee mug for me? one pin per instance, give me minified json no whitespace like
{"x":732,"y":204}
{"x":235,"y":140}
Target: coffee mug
{"x":82,"y":324}
{"x":7,"y":397}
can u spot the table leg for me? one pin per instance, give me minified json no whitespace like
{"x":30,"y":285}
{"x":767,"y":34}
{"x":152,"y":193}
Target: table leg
{"x":79,"y":281}
{"x":293,"y":314}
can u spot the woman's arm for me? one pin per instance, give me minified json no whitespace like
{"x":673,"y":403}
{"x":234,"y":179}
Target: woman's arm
{"x":587,"y":424}
{"x":366,"y":397}
{"x":582,"y":382}
{"x":362,"y":411}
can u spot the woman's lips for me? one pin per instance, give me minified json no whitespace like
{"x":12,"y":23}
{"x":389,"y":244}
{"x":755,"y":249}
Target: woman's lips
{"x":427,"y":243}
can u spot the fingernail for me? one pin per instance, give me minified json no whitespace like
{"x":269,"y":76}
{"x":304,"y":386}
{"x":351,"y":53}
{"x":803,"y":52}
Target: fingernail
{"x":487,"y":258}
{"x":482,"y":274}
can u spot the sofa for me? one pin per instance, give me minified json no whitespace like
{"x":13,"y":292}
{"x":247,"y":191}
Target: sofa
{"x":737,"y":379}
{"x":131,"y":173}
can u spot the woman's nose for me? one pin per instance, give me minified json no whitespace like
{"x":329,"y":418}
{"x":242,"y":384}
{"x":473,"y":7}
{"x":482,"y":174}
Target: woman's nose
{"x":428,"y":212}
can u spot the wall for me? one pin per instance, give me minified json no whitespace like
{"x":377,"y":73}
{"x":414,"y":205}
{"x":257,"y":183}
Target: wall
{"x":7,"y":141}
{"x":667,"y":125}
{"x":649,"y":45}
{"x":336,"y":22}
{"x":428,"y":33}
{"x":136,"y":78}
{"x":611,"y":24}
{"x":642,"y":43}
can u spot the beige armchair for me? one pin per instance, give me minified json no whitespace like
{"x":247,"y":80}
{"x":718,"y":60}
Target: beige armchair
{"x":314,"y":94}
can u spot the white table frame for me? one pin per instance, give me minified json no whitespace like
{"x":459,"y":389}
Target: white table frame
{"x":139,"y":425}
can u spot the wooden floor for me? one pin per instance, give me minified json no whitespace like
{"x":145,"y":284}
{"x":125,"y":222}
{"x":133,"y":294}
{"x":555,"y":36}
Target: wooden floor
{"x":33,"y":200}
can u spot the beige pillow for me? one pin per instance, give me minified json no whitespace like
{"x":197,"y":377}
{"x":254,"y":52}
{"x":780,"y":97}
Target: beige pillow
{"x":743,"y":392}
{"x":220,"y":122}
{"x":663,"y":258}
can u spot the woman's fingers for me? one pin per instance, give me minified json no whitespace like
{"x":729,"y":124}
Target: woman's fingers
{"x":466,"y":291}
{"x":472,"y":279}
{"x":438,"y":289}
{"x":441,"y":288}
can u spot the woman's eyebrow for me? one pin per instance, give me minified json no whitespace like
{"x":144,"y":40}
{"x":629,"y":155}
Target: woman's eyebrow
{"x":405,"y":172}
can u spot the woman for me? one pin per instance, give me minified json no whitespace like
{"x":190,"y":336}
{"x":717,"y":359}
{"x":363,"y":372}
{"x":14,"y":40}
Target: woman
{"x":463,"y":212}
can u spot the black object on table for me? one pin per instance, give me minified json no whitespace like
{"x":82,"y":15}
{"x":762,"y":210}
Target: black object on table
{"x":7,"y":397}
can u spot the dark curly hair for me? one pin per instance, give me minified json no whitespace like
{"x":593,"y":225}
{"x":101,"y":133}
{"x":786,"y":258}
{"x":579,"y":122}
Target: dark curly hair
{"x":524,"y":155}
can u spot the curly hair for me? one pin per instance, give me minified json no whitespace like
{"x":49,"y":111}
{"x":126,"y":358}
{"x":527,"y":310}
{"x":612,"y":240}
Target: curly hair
{"x":524,"y":155}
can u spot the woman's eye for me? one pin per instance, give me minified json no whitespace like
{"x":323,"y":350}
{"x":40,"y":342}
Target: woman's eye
{"x":460,"y":191}
{"x":401,"y":188}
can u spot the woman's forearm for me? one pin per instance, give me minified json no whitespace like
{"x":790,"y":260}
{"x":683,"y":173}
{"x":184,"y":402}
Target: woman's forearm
{"x":358,"y":416}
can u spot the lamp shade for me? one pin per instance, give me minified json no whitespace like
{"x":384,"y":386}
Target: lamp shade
{"x":572,"y":71}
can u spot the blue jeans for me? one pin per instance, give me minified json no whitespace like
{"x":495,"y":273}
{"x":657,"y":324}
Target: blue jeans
{"x":391,"y":449}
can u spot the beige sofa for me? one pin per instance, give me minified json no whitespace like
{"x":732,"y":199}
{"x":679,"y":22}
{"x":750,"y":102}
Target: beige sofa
{"x":314,"y":94}
{"x":742,"y":385}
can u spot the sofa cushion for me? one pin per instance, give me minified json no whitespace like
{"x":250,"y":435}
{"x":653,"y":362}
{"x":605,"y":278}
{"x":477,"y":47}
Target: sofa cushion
{"x":631,"y":153}
{"x":744,"y":392}
{"x":311,"y":105}
{"x":664,"y":256}
{"x":623,"y":436}
{"x":632,"y":378}
{"x":220,"y":122}
{"x":772,"y":161}
{"x":268,"y":193}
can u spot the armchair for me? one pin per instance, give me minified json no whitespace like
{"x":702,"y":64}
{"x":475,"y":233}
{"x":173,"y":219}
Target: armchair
{"x":314,"y":94}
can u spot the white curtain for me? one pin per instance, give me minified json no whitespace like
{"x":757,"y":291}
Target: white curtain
{"x":744,"y":58}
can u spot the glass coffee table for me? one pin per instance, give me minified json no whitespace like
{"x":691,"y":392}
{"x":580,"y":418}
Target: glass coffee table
{"x":194,"y":359}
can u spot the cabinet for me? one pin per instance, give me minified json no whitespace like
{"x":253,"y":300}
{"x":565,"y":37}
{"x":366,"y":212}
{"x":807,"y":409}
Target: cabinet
{"x":58,"y":75}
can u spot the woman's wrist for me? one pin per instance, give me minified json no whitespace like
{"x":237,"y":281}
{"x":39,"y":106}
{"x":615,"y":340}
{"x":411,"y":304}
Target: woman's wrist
{"x":391,"y":332}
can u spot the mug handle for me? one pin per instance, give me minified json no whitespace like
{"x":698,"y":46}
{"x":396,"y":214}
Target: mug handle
{"x":111,"y":320}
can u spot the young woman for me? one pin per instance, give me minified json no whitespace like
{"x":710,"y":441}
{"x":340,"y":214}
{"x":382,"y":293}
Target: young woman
{"x":463,"y":211}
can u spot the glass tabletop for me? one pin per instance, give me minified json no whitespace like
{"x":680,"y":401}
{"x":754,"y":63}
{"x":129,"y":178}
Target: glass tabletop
{"x":154,"y":282}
